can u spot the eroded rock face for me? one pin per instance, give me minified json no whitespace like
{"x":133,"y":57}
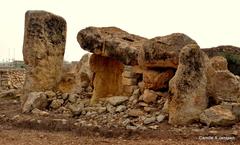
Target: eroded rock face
{"x":156,"y":80}
{"x":43,"y":50}
{"x":188,"y":87}
{"x":111,"y":42}
{"x":163,"y":51}
{"x":35,"y":100}
{"x":76,"y":76}
{"x":223,"y":86}
{"x":218,"y":116}
{"x":219,"y":63}
{"x":107,"y":78}
{"x":149,"y":96}
{"x":231,"y":53}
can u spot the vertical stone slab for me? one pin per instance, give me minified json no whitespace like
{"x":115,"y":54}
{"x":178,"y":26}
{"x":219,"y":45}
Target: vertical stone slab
{"x":188,"y":97}
{"x":107,"y":78}
{"x":43,"y":50}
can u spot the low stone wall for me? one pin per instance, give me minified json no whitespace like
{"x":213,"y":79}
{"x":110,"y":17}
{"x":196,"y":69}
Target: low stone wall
{"x":11,"y":78}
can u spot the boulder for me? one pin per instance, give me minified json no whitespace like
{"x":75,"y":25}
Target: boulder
{"x":111,"y":42}
{"x":68,"y":79}
{"x":128,"y":89}
{"x":218,"y":116}
{"x":187,"y":88}
{"x":149,"y":96}
{"x":107,"y":78}
{"x":135,"y":113}
{"x":231,"y":53}
{"x":57,"y":103}
{"x":76,"y":108}
{"x":163,"y":51}
{"x":121,"y":108}
{"x":40,"y":112}
{"x":117,"y":100}
{"x":76,"y":76}
{"x":234,"y":107}
{"x":223,"y":86}
{"x":219,"y":63}
{"x":8,"y":93}
{"x":72,"y":98}
{"x":160,"y":118}
{"x":149,"y":120}
{"x":156,"y":80}
{"x":50,"y":94}
{"x":83,"y":70}
{"x":43,"y":50}
{"x":35,"y":100}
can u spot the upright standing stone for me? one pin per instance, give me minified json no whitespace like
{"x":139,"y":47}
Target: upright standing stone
{"x":43,"y":50}
{"x":188,"y":97}
{"x":107,"y":78}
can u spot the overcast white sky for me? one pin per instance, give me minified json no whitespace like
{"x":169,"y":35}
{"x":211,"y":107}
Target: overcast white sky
{"x":209,"y":22}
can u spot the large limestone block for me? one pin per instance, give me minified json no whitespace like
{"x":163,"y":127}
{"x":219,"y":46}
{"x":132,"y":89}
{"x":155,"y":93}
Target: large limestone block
{"x":35,"y":100}
{"x":156,"y":80}
{"x":231,"y":53}
{"x":107,"y":78}
{"x":218,"y":116}
{"x":219,"y":63}
{"x":222,"y":84}
{"x":111,"y":42}
{"x":43,"y":50}
{"x":76,"y":76}
{"x":188,"y":87}
{"x":163,"y":51}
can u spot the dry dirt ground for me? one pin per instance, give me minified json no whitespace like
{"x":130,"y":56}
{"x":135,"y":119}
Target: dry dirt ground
{"x":29,"y":129}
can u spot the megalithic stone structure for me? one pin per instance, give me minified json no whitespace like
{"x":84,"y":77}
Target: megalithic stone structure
{"x":188,"y":93}
{"x":43,"y":50}
{"x":112,"y":48}
{"x":163,"y":52}
{"x":111,"y":42}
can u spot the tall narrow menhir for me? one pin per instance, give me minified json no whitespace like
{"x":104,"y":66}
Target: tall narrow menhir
{"x":43,"y":50}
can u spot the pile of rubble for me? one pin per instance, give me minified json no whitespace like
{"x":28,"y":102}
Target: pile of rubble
{"x":129,"y":81}
{"x":134,"y":112}
{"x":12,"y":78}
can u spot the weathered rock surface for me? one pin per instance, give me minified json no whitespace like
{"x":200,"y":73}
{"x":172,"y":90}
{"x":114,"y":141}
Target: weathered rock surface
{"x":12,"y":78}
{"x":8,"y":93}
{"x":76,"y":108}
{"x":135,"y":112}
{"x":107,"y":79}
{"x":160,"y":118}
{"x":234,"y":107}
{"x":222,"y":84}
{"x":149,"y":96}
{"x":156,"y":80}
{"x":188,"y":87}
{"x":57,"y":103}
{"x":35,"y":100}
{"x":111,"y":42}
{"x":129,"y":80}
{"x":219,"y":63}
{"x":39,"y":112}
{"x":163,"y":51}
{"x":76,"y":76}
{"x":43,"y":50}
{"x":218,"y":116}
{"x":231,"y":53}
{"x":117,"y":100}
{"x":149,"y":120}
